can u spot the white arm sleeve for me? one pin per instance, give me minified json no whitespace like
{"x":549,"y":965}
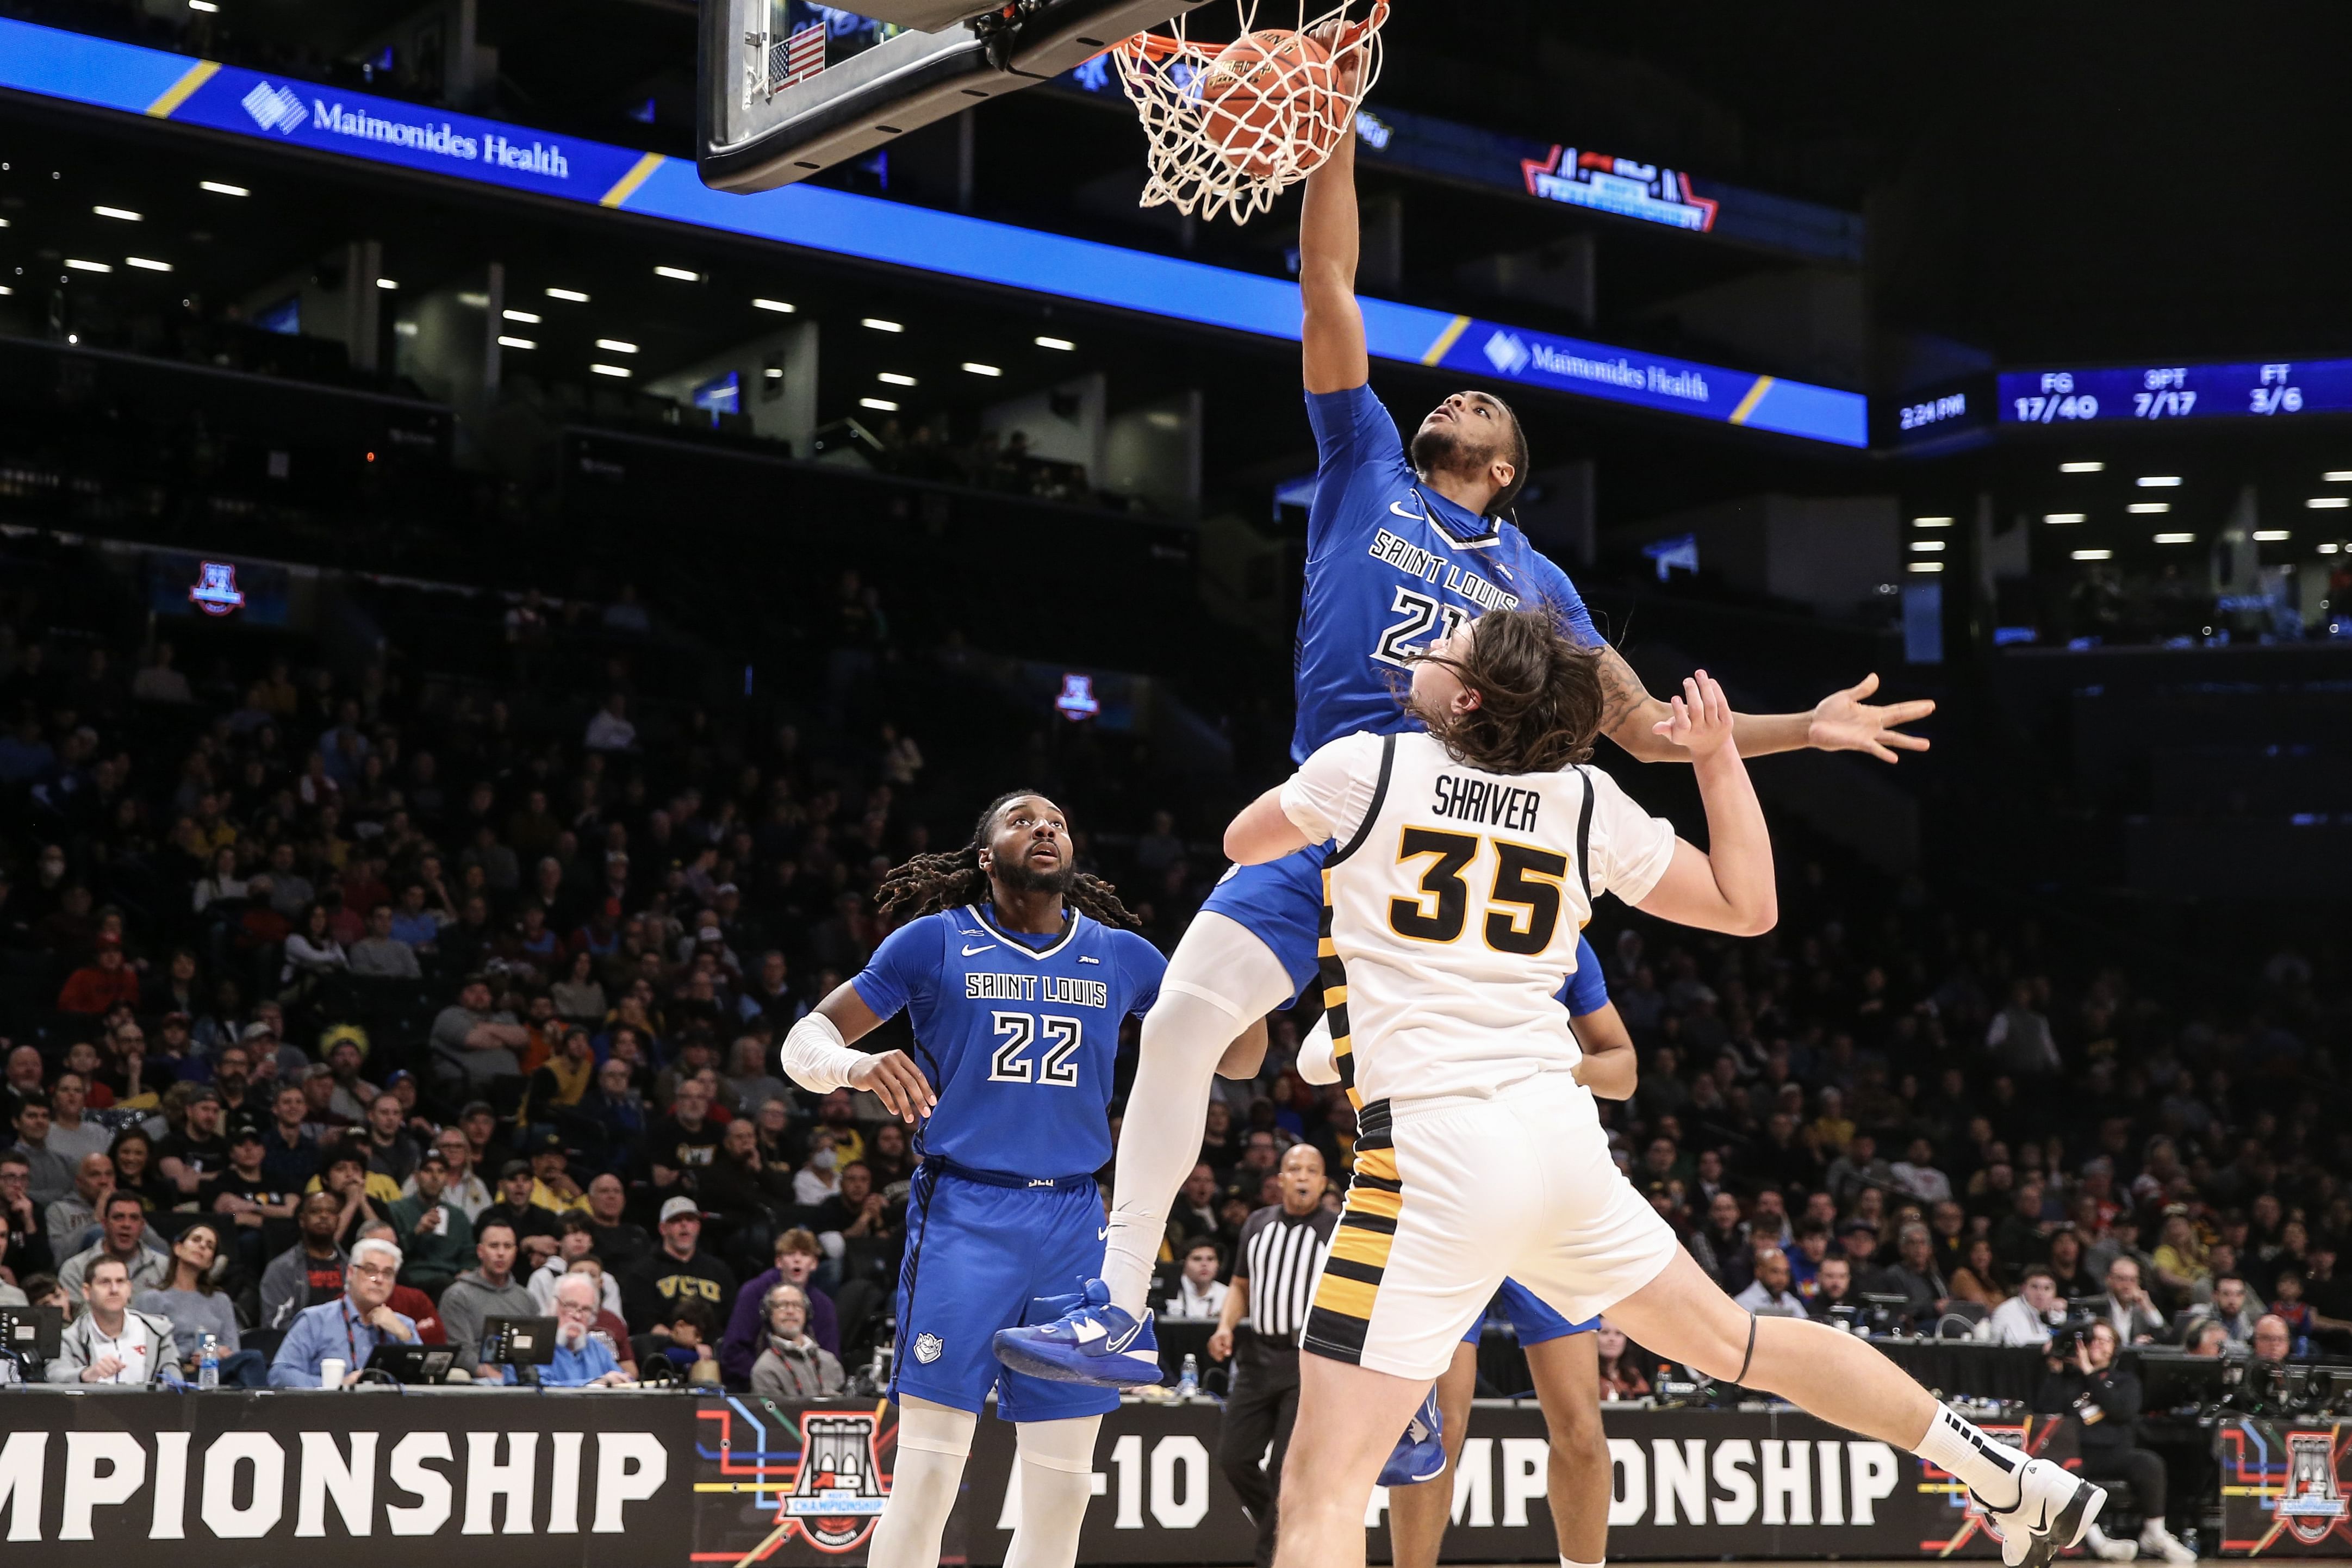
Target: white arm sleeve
{"x":1631,"y":849}
{"x":1318,"y":1060}
{"x":816,"y":1056}
{"x":1328,"y":796}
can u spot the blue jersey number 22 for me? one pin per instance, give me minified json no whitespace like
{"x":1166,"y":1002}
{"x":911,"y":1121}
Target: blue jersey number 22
{"x":1019,"y":1031}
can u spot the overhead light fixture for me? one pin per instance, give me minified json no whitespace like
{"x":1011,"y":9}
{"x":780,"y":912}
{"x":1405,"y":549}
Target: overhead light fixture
{"x":621,"y":371}
{"x":386,"y":284}
{"x":2158,"y":481}
{"x":2062,"y":517}
{"x":775,"y":372}
{"x":2093,"y":554}
{"x":2330,"y":548}
{"x":528,"y":318}
{"x":615,"y":346}
{"x":977,"y":369}
{"x":892,"y":378}
{"x":204,"y":5}
{"x":2329,"y":503}
{"x":1931,"y":522}
{"x":2176,"y":539}
{"x":2082,"y":468}
{"x":781,"y":306}
{"x":222,"y":188}
{"x":879,"y":404}
{"x":879,"y":325}
{"x":5,"y":291}
{"x":677,"y":274}
{"x":2144,"y":508}
{"x":1926,"y":566}
{"x":1064,"y":344}
{"x":87,"y":266}
{"x":124,"y":213}
{"x":507,"y":343}
{"x":1927,"y":546}
{"x":2272,"y":535}
{"x":146,"y":264}
{"x":474,"y":301}
{"x":2338,"y":476}
{"x":573,"y":296}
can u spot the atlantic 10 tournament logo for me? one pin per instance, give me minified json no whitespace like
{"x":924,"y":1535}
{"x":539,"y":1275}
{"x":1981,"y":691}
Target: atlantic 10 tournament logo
{"x":2313,"y":1504}
{"x":216,"y":593}
{"x":839,"y":1490}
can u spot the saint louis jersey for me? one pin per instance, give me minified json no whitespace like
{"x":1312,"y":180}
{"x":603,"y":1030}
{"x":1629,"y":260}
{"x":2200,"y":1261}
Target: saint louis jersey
{"x":1017,"y":1033}
{"x":1391,"y":566}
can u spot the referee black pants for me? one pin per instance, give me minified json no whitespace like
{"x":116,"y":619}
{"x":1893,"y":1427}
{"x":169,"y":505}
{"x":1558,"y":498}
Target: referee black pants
{"x":1259,"y":1410}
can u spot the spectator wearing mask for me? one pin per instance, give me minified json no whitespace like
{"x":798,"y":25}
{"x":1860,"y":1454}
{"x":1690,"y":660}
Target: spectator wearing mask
{"x":792,"y":1366}
{"x":798,"y":1258}
{"x":488,"y":1290}
{"x":2084,"y":1381}
{"x":109,"y":1341}
{"x":124,"y":1237}
{"x":582,"y":1360}
{"x":678,"y":1271}
{"x":311,"y":1273}
{"x":349,"y":1325}
{"x":434,"y":1233}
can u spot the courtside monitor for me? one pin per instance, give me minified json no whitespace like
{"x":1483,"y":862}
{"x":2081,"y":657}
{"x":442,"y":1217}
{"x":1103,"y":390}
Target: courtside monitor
{"x":789,"y":88}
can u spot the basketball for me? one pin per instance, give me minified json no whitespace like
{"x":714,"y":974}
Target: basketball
{"x":1264,"y":91}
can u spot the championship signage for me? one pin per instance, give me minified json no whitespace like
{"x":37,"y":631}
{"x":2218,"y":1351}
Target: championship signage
{"x":2286,"y":1491}
{"x":556,"y":1480}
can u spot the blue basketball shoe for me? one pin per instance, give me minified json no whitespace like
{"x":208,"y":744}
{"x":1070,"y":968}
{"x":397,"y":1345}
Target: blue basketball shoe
{"x":1420,"y":1454}
{"x":1092,"y":1342}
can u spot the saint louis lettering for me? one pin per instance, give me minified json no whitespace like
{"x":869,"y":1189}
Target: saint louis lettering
{"x":1486,"y":803}
{"x":1430,"y":567}
{"x":1059,"y":988}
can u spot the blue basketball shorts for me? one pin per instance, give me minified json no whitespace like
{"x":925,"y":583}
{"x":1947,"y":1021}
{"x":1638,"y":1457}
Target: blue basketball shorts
{"x":1535,"y":1321}
{"x":978,"y":1255}
{"x":1281,"y":904}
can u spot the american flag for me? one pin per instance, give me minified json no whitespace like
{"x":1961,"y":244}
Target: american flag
{"x":797,"y":58}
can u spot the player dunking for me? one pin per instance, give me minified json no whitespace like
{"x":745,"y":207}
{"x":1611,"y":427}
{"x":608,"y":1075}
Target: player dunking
{"x":1016,"y":978}
{"x":1402,"y":546}
{"x":1467,"y":859}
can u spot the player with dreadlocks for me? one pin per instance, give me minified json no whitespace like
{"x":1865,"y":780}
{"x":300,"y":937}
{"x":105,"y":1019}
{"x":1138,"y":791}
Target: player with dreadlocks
{"x":1016,"y":972}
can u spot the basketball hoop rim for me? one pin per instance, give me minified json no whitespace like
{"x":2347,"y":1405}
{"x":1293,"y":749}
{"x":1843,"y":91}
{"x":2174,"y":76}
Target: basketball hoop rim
{"x":1159,"y":47}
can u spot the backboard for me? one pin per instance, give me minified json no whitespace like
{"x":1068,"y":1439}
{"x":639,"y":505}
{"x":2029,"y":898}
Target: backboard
{"x":789,"y":88}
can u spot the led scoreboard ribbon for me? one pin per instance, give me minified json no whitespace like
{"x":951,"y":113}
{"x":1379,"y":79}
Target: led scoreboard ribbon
{"x":2265,"y":390}
{"x":272,"y":110}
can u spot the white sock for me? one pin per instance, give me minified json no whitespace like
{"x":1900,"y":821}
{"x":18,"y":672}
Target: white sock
{"x":1056,"y":1461}
{"x":1989,"y":1470}
{"x":933,"y":1442}
{"x":1219,"y":980}
{"x":1573,"y":1562}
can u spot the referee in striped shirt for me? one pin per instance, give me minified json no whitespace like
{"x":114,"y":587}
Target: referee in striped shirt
{"x":1281,"y":1252}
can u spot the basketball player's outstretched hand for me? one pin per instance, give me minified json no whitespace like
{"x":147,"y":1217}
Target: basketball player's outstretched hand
{"x":1843,"y":721}
{"x":890,"y":1078}
{"x":1702,"y":718}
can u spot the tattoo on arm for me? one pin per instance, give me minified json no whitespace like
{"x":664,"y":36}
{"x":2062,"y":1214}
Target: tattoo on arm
{"x":1622,"y":693}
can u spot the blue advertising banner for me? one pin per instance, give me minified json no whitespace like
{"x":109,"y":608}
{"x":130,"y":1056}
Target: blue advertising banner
{"x":269,"y":109}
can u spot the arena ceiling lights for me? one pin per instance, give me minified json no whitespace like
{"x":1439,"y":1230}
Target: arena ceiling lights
{"x":232,"y":101}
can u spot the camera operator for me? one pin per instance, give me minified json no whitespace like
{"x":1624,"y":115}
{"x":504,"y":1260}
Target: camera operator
{"x":2084,"y":1381}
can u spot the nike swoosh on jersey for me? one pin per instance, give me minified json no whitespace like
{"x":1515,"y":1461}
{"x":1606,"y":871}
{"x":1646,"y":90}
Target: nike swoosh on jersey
{"x":1398,"y":508}
{"x":983,"y":947}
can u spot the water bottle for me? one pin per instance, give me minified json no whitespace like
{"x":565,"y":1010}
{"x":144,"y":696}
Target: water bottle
{"x":1188,"y":1382}
{"x":208,"y":1363}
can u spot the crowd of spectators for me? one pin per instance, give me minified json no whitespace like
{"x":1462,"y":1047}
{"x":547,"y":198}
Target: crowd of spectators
{"x":310,"y":958}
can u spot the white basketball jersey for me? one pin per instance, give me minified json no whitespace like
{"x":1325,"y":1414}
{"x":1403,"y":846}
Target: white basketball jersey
{"x":1453,"y":898}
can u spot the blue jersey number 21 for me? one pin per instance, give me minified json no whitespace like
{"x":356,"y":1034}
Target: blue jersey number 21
{"x":1019,"y":1031}
{"x":1410,"y":638}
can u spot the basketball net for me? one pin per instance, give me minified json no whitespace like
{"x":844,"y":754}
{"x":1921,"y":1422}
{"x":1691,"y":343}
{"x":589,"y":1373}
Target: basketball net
{"x":1233,"y":124}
